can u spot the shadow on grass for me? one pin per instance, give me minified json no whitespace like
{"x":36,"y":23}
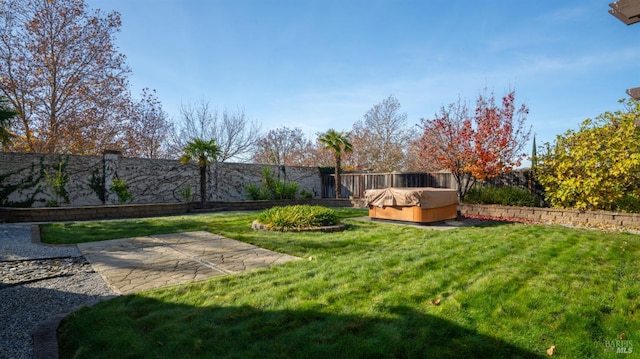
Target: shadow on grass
{"x":146,"y":327}
{"x":492,"y":223}
{"x":25,"y":306}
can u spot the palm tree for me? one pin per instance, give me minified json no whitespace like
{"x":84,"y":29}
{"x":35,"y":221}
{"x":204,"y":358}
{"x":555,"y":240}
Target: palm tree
{"x":339,"y":143}
{"x":203,"y":153}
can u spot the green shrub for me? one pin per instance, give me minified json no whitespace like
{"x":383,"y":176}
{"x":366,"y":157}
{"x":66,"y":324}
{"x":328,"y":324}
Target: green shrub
{"x":57,"y":181}
{"x":187,"y":193}
{"x":119,"y":187}
{"x":506,"y":196}
{"x":256,"y":192}
{"x":285,"y":190}
{"x":286,"y":218}
{"x":629,"y":203}
{"x":271,"y":188}
{"x":304,"y":194}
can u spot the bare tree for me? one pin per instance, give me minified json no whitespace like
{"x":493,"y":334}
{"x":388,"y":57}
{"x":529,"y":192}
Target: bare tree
{"x":381,"y":141}
{"x":234,"y":134}
{"x":63,"y":75}
{"x":314,"y":154}
{"x":148,"y":128}
{"x":6,"y":114}
{"x":281,"y":147}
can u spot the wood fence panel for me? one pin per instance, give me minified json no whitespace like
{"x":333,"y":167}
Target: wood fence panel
{"x":353,"y":185}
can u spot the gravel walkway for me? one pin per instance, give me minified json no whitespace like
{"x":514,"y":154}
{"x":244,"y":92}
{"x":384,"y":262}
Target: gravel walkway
{"x":38,"y":284}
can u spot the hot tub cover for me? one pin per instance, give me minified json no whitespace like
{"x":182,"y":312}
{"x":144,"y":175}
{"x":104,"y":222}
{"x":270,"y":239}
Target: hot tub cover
{"x":425,"y":197}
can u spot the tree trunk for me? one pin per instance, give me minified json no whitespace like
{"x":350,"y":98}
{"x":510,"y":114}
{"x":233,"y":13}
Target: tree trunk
{"x":203,"y":187}
{"x":337,"y":185}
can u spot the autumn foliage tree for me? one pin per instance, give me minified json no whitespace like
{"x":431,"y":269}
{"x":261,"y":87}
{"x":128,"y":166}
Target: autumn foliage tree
{"x":596,"y":167}
{"x":477,"y":145}
{"x":62,"y":73}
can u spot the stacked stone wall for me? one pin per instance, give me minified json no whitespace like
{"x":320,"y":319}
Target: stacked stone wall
{"x":86,"y":213}
{"x":596,"y":219}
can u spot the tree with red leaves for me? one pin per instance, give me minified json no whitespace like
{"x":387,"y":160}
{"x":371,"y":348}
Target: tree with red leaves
{"x":475,"y":146}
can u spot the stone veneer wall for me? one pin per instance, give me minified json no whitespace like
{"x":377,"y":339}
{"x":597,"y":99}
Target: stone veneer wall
{"x":597,"y":219}
{"x":22,"y":179}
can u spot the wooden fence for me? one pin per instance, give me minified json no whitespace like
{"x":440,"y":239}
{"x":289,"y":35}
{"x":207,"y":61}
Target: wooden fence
{"x":353,"y":185}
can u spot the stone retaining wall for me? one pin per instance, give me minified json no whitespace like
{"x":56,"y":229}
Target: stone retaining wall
{"x":597,"y":219}
{"x":55,"y":214}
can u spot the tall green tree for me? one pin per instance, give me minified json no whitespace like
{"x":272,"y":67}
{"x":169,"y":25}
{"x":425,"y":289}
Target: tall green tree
{"x":6,"y":115}
{"x":204,"y":153}
{"x":339,"y":143}
{"x":596,"y":167}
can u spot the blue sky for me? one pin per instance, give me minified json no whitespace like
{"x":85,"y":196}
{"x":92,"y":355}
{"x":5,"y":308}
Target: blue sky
{"x":320,"y":64}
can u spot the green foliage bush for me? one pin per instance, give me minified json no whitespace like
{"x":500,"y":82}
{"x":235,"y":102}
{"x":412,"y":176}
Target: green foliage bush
{"x":596,"y":167}
{"x":629,"y":203}
{"x":304,"y":194}
{"x":286,"y":218}
{"x":57,"y":181}
{"x":271,"y":188}
{"x":256,"y":192}
{"x":119,"y":187}
{"x":506,"y":196}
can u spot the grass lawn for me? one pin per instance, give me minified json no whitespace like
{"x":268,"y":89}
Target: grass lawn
{"x":504,"y":291}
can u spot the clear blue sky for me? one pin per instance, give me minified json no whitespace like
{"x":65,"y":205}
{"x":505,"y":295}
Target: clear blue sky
{"x":320,"y":64}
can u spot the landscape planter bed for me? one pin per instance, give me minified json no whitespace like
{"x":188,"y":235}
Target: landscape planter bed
{"x":419,"y":205}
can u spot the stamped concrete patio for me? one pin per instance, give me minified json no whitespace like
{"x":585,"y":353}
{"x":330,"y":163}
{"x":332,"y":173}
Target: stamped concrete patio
{"x":137,"y":264}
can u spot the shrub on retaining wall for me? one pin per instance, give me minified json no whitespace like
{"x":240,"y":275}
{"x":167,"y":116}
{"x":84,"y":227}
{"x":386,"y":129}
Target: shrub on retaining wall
{"x":507,"y":196}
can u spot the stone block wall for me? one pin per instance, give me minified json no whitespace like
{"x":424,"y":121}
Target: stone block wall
{"x":596,"y":219}
{"x":23,"y":180}
{"x":86,"y":213}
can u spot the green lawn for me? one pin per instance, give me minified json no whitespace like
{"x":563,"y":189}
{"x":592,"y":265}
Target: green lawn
{"x":505,"y":291}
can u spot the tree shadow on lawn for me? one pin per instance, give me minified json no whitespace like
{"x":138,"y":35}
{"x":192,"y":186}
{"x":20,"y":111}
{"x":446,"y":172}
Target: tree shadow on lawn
{"x":146,"y":326}
{"x":29,"y":305}
{"x":489,"y":223}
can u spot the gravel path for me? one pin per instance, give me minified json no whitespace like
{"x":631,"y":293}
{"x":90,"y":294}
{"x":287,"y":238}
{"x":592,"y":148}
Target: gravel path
{"x":39,"y":282}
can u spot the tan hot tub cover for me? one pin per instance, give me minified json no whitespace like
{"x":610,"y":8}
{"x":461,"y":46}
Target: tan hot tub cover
{"x":424,"y":197}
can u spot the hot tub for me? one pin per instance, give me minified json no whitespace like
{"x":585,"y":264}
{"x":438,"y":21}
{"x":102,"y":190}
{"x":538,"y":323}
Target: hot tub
{"x":416,"y":204}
